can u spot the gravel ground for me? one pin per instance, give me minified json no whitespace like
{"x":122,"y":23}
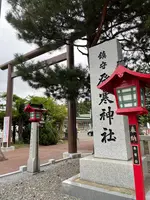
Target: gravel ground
{"x":42,"y":186}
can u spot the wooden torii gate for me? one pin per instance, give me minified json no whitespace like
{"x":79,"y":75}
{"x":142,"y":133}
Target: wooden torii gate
{"x":69,"y":56}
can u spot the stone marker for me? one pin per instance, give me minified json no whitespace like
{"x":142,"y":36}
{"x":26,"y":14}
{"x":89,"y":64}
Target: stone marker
{"x":111,"y":165}
{"x":111,"y":138}
{"x":112,"y":151}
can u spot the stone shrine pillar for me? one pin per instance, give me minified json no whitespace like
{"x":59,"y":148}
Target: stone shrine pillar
{"x":111,"y":163}
{"x":33,"y":164}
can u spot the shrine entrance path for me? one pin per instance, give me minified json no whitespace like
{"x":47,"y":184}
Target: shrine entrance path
{"x":19,"y":157}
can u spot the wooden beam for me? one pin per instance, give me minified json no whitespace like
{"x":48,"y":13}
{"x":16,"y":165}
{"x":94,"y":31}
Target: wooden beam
{"x":51,"y":61}
{"x":27,"y":56}
{"x":56,"y":59}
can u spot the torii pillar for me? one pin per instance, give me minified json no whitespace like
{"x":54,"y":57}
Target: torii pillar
{"x":72,"y":131}
{"x":9,"y":100}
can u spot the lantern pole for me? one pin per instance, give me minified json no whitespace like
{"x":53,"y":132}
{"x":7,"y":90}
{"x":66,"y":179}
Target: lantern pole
{"x":33,"y":164}
{"x":137,"y":160}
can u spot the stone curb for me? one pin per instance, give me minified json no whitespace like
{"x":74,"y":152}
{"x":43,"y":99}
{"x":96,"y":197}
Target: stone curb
{"x":23,"y":168}
{"x":9,"y":174}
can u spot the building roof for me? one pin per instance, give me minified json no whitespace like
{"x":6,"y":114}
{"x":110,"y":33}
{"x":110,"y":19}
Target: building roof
{"x":83,"y":117}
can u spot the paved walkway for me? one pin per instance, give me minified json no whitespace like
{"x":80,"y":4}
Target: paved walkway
{"x":19,"y":156}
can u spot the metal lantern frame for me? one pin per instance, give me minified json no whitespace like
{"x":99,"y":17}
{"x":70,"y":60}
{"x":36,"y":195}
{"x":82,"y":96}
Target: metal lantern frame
{"x":131,"y":86}
{"x":36,"y":111}
{"x":130,"y":97}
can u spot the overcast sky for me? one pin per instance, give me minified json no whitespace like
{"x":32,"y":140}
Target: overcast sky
{"x":10,"y":45}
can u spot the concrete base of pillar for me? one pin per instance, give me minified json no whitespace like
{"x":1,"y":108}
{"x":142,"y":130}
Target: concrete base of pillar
{"x":32,"y":165}
{"x":115,"y":173}
{"x":5,"y":149}
{"x":89,"y":190}
{"x":71,"y":155}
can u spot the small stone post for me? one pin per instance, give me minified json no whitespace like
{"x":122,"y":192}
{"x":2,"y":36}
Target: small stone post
{"x":2,"y":157}
{"x":33,"y":164}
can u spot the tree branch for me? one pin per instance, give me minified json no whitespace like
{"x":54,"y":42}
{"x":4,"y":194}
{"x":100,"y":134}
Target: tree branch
{"x":123,"y":21}
{"x":85,"y":54}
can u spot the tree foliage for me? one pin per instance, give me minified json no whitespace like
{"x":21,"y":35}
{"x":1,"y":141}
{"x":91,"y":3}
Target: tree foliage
{"x":19,"y":117}
{"x":2,"y":115}
{"x":49,"y":134}
{"x":18,"y":105}
{"x":144,"y":119}
{"x":53,"y":119}
{"x":58,"y":82}
{"x":84,"y":107}
{"x":55,"y":113}
{"x":52,"y":23}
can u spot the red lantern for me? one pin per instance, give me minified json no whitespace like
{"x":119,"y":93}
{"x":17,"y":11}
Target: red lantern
{"x":35,"y":111}
{"x":129,"y":90}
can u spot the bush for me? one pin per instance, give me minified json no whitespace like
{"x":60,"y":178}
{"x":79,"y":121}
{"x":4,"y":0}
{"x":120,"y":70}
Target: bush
{"x":48,"y":134}
{"x":26,"y":134}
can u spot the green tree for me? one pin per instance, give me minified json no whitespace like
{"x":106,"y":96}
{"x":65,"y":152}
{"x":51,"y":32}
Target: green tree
{"x":144,"y":119}
{"x":84,"y":107}
{"x":59,"y":82}
{"x":19,"y":117}
{"x":48,"y":134}
{"x":55,"y":114}
{"x":2,"y":115}
{"x":52,"y":23}
{"x":54,"y":118}
{"x":2,"y":109}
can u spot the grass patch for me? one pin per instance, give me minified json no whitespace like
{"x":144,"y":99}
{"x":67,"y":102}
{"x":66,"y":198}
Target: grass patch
{"x":20,"y":145}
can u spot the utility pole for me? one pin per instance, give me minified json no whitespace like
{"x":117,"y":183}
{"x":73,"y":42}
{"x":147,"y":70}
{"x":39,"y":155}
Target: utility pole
{"x":72,"y":131}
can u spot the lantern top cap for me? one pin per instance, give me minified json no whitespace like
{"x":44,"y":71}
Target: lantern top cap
{"x":122,"y":73}
{"x":34,"y":107}
{"x":38,"y":106}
